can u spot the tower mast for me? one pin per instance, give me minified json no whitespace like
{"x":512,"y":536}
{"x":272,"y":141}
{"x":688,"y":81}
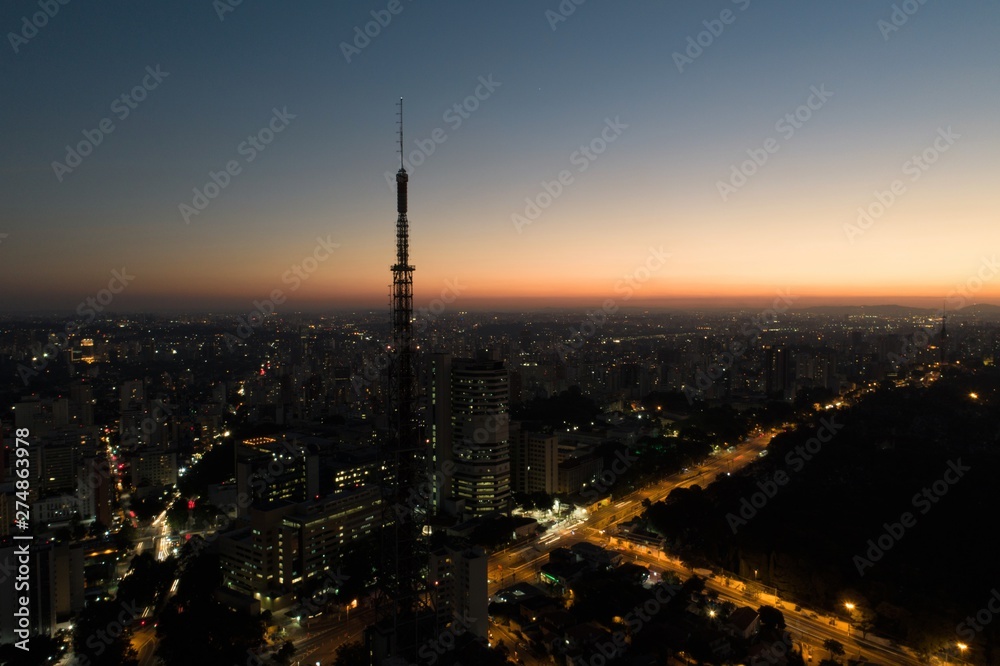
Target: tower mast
{"x":403,"y":615}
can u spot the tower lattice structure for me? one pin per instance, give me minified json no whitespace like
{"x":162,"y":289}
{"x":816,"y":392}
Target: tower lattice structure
{"x":404,"y":616}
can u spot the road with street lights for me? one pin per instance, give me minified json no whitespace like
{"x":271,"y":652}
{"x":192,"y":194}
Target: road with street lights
{"x":521,"y":564}
{"x":809,"y":629}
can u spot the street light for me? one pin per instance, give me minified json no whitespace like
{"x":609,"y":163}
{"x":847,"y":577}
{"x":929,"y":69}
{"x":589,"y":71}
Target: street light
{"x":850,"y":616}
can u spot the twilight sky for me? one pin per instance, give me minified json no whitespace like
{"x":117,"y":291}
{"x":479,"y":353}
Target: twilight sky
{"x":656,"y":151}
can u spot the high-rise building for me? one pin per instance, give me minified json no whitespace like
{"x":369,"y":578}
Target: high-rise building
{"x":323,"y":528}
{"x":534,"y":462}
{"x":274,"y":471}
{"x":281,"y":546}
{"x":776,"y":371}
{"x":8,"y":508}
{"x":459,"y":581}
{"x":82,"y":404}
{"x":96,"y":487}
{"x":54,"y":586}
{"x":68,"y":584}
{"x":480,"y":438}
{"x":132,"y":395}
{"x":153,"y":468}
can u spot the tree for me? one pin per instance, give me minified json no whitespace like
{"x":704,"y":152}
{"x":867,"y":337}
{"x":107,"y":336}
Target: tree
{"x":97,"y":529}
{"x":41,"y":650}
{"x":284,"y":654}
{"x":77,"y":529}
{"x":352,"y":654}
{"x":101,"y":635}
{"x":835,"y":647}
{"x":771,"y":618}
{"x":177,"y":515}
{"x":147,"y":580}
{"x":195,"y":628}
{"x":864,"y":626}
{"x":147,"y":508}
{"x":125,"y":537}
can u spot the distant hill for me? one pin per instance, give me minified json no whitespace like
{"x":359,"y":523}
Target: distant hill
{"x":873,"y":310}
{"x":985,"y":310}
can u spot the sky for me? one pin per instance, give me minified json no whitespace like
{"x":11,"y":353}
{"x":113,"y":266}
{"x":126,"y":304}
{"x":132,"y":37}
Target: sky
{"x":560,"y":154}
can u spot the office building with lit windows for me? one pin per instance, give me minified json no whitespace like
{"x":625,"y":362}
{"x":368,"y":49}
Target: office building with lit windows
{"x":469,"y":436}
{"x":280,"y":547}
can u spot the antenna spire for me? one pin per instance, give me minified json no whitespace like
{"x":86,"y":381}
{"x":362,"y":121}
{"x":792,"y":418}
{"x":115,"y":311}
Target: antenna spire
{"x":401,"y":133}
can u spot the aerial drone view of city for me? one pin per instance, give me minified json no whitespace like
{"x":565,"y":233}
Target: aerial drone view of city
{"x":388,"y":333}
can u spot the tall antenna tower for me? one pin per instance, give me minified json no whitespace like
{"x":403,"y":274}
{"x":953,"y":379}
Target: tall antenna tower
{"x":403,"y":617}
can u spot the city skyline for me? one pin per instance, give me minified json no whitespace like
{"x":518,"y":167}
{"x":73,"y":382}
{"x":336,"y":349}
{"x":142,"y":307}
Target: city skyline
{"x":666,"y":170}
{"x":628,"y":341}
